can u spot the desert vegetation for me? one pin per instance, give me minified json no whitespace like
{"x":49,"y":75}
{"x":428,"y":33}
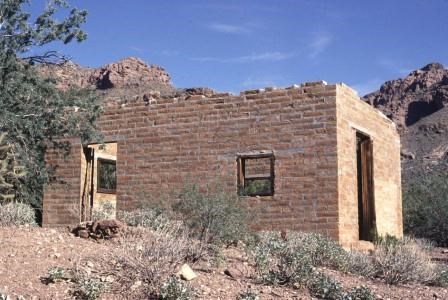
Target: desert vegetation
{"x":145,"y":260}
{"x":197,"y":230}
{"x":425,"y":208}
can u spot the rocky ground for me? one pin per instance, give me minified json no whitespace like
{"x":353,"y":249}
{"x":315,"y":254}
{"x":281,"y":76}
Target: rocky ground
{"x":28,"y":253}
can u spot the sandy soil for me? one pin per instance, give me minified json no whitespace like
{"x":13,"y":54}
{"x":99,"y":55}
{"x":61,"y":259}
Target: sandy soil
{"x":28,"y":253}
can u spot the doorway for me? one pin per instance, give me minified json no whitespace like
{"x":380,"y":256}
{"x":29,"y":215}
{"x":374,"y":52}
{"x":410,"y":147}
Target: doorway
{"x":99,"y":178}
{"x":366,"y":201}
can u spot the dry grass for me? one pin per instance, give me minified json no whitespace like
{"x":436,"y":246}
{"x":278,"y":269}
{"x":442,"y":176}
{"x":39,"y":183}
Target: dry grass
{"x":16,"y":214}
{"x":150,"y":257}
{"x":404,"y":261}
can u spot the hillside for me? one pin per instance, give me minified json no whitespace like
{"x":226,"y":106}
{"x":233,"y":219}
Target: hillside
{"x":417,"y":103}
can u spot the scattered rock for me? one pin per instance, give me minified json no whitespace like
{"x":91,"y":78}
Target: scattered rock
{"x":186,"y":273}
{"x":83,"y":234}
{"x":136,"y":285}
{"x":234,"y":271}
{"x":104,"y":229}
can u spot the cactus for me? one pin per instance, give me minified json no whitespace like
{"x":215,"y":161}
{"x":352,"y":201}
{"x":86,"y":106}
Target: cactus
{"x":9,"y":169}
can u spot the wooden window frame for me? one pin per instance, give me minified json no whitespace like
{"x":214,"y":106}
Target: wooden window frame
{"x":242,"y":179}
{"x":103,"y":190}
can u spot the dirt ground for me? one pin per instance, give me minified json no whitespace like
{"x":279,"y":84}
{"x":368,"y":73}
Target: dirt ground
{"x":28,"y":253}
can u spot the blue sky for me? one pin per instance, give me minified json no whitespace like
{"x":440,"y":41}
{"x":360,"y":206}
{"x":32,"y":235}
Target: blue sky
{"x":238,"y":45}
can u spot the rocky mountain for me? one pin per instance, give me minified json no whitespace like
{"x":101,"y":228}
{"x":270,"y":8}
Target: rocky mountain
{"x":126,"y":73}
{"x":418,"y":103}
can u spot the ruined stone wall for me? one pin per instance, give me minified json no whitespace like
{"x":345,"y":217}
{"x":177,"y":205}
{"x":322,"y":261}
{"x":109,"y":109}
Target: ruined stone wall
{"x":164,"y":143}
{"x":353,"y":115}
{"x":167,"y":142}
{"x":61,"y":197}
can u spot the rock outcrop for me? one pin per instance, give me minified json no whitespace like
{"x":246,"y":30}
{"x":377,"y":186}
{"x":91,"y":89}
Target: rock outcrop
{"x":128,"y":72}
{"x":407,"y":100}
{"x":418,"y":104}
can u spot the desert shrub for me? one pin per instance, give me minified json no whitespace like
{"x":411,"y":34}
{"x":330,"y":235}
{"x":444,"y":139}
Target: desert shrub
{"x":213,"y":215}
{"x":385,"y":239}
{"x":145,"y":217}
{"x":358,"y":293}
{"x":152,"y":256}
{"x":322,"y":250}
{"x":292,"y":260}
{"x":360,"y":263}
{"x":403,"y":261}
{"x":322,"y":286}
{"x":297,"y":253}
{"x":441,"y":277}
{"x":175,"y":289}
{"x":106,"y":210}
{"x":248,"y":295}
{"x":16,"y":213}
{"x":55,"y":274}
{"x":425,"y":208}
{"x":89,"y":288}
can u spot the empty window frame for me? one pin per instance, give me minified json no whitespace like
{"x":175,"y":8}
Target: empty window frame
{"x":256,"y":175}
{"x":107,"y":176}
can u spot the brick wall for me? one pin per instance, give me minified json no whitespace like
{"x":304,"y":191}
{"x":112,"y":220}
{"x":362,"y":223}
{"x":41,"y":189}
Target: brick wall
{"x":353,"y":115}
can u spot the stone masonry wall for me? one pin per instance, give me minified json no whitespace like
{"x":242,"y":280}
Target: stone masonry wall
{"x":61,"y":197}
{"x":352,"y":115}
{"x":164,"y":143}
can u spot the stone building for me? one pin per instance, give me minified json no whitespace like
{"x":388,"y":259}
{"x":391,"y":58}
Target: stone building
{"x":313,"y":157}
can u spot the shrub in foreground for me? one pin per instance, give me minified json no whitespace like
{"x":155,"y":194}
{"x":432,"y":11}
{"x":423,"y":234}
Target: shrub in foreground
{"x":403,"y":261}
{"x":152,"y":256}
{"x":89,"y":288}
{"x":213,"y":215}
{"x":322,"y":286}
{"x":16,"y":213}
{"x":360,"y":263}
{"x":175,"y":289}
{"x":441,"y":278}
{"x":293,"y":261}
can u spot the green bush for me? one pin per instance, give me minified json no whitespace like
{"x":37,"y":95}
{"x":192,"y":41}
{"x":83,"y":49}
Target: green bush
{"x":16,"y":213}
{"x":56,"y":274}
{"x":175,"y":289}
{"x":323,"y":251}
{"x":292,"y":260}
{"x":425,"y":208}
{"x":323,"y":287}
{"x":441,"y":278}
{"x":358,"y":293}
{"x":213,"y":215}
{"x":89,"y":288}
